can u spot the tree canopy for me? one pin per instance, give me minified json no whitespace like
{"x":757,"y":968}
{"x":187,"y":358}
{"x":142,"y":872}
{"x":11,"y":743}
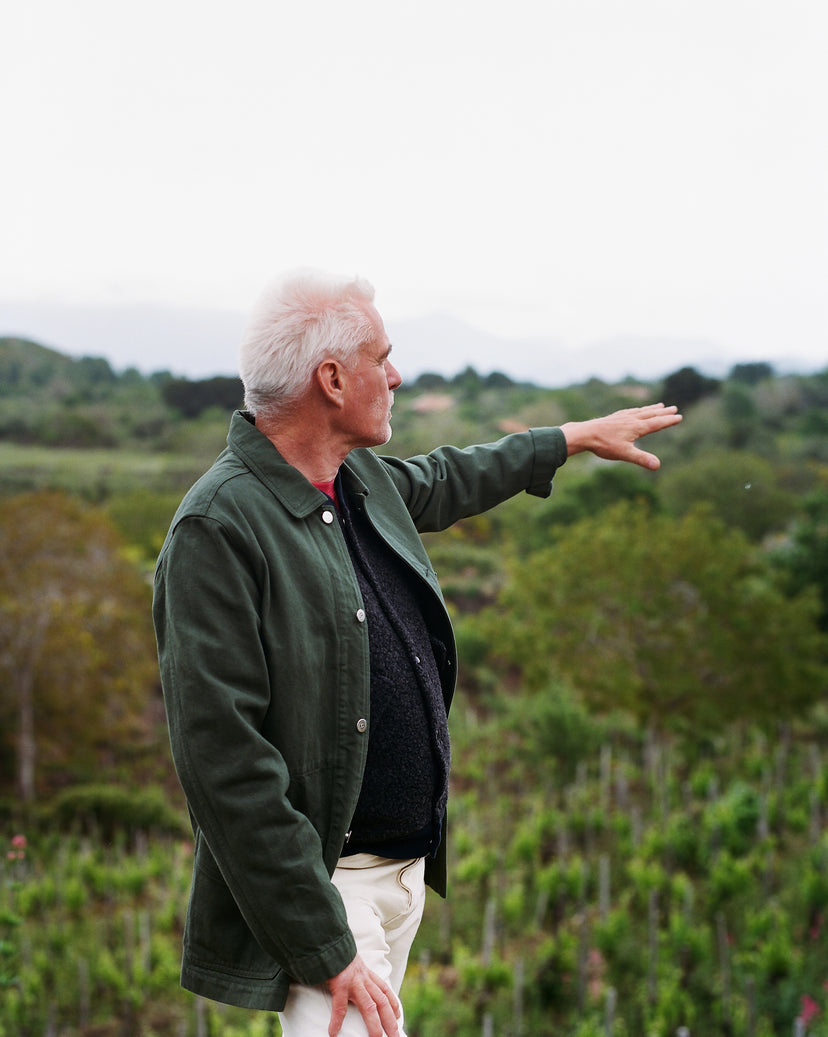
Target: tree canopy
{"x":77,"y":655}
{"x":672,"y":619}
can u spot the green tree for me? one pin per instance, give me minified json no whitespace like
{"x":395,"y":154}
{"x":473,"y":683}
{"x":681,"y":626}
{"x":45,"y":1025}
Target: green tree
{"x":428,"y":381}
{"x":92,"y":372}
{"x":742,"y":488}
{"x":803,"y":559}
{"x":751,"y":373}
{"x":469,"y":384}
{"x":741,"y":414}
{"x":675,"y":621}
{"x":687,"y":386}
{"x":191,"y":398}
{"x":77,"y":656}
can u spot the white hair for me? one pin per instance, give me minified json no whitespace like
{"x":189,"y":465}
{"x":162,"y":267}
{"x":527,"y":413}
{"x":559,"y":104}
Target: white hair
{"x":300,"y":320}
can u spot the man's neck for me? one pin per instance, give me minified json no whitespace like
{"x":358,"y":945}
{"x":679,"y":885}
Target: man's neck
{"x":305,"y":446}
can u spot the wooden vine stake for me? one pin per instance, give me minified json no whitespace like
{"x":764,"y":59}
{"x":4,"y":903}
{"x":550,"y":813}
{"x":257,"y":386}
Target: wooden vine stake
{"x":606,"y":776}
{"x":604,"y":886}
{"x":489,"y":932}
{"x":750,"y":991}
{"x":652,"y":945}
{"x":83,"y":993}
{"x":517,"y":998}
{"x":609,"y":1011}
{"x":724,"y":965}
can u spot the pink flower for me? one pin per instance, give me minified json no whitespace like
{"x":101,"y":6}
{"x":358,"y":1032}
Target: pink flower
{"x":19,"y":842}
{"x":808,"y":1009}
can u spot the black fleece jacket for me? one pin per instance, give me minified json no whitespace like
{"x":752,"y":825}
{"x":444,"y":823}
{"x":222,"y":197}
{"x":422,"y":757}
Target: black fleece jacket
{"x":405,"y":786}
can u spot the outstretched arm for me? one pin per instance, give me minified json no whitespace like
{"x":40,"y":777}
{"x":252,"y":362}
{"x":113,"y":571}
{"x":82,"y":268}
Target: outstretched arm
{"x":614,"y":436}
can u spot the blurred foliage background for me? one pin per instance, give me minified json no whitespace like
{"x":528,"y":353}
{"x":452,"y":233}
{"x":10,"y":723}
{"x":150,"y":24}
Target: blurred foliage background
{"x":640,"y":804}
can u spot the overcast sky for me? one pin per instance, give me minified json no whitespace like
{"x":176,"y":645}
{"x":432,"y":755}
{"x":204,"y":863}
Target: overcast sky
{"x":577,"y":169}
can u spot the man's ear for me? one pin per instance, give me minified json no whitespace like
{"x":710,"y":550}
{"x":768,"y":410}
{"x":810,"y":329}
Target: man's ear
{"x":330,"y":377}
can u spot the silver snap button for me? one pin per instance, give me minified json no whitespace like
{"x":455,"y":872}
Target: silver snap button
{"x":360,"y":615}
{"x":362,"y":725}
{"x":327,"y":517}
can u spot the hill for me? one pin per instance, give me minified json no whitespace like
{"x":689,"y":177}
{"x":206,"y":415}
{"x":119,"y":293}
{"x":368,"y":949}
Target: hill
{"x":27,"y":365}
{"x":50,"y":399}
{"x":198,"y":343}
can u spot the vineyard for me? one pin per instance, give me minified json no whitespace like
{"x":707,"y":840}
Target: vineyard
{"x":651,"y":894}
{"x":638,"y":841}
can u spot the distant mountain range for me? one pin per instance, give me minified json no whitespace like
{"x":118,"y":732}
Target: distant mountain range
{"x":198,"y":343}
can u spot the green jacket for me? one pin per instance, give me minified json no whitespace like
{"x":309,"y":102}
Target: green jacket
{"x":263,"y":648}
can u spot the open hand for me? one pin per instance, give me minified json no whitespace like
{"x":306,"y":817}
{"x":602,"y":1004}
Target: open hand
{"x":614,"y":436}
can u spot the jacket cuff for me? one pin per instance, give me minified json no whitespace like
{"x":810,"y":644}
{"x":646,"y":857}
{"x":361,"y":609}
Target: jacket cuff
{"x":551,"y":453}
{"x":325,"y":964}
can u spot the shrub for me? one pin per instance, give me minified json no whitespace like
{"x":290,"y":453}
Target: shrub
{"x":110,"y":808}
{"x":555,"y":725}
{"x":733,"y":819}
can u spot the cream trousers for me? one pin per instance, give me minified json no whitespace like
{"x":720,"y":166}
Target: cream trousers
{"x":384,"y":902}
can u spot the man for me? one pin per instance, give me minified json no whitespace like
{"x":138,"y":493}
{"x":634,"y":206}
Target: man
{"x":308,"y":663}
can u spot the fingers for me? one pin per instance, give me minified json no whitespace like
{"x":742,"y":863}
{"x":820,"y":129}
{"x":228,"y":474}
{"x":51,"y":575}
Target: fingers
{"x":664,"y":416}
{"x":653,"y":408}
{"x":379,"y":1008}
{"x":373,"y":997}
{"x":338,"y":1010}
{"x":671,"y":409}
{"x":655,"y":418}
{"x":378,"y":1012}
{"x":651,"y":418}
{"x":646,"y":460}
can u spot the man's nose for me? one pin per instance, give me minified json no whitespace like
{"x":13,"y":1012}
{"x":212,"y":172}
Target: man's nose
{"x":393,"y":375}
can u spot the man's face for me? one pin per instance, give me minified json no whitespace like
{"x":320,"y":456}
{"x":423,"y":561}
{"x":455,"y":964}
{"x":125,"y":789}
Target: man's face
{"x":371,"y":381}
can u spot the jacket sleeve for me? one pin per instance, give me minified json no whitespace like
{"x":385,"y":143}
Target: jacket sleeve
{"x":217,"y":691}
{"x":449,"y":484}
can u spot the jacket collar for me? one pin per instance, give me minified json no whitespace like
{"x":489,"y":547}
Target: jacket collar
{"x":298,"y":495}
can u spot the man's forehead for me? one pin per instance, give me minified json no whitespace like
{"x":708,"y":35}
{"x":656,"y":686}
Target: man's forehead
{"x":374,"y":315}
{"x":381,"y":335}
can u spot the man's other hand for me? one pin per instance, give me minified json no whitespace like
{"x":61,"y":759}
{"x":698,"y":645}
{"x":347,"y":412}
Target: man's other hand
{"x":376,"y":1001}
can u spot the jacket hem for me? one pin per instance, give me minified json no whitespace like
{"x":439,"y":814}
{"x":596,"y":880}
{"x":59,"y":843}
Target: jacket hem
{"x":266,"y":995}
